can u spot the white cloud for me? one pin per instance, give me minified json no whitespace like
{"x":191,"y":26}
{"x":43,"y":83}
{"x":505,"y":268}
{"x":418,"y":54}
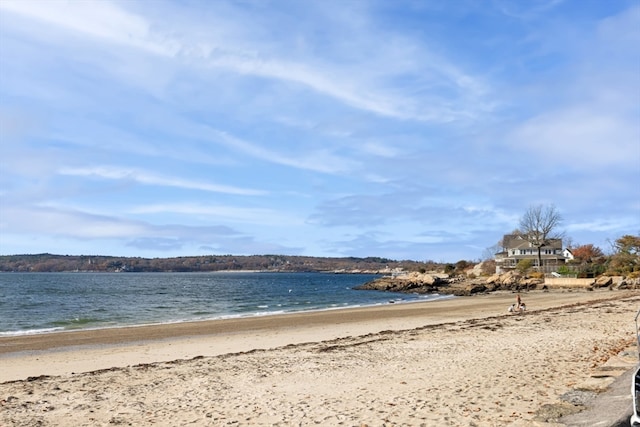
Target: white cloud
{"x":365,"y":85}
{"x":235,"y":214}
{"x":101,"y":19}
{"x":526,"y":10}
{"x":586,"y":112}
{"x":611,"y":224}
{"x":579,"y":136}
{"x":319,"y":160}
{"x":147,"y":178}
{"x":70,"y":223}
{"x":379,"y":149}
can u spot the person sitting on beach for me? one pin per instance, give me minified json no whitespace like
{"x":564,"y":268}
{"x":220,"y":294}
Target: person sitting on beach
{"x":519,"y":308}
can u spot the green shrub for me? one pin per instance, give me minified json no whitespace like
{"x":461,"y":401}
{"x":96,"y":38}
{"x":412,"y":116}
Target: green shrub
{"x":524,"y":265}
{"x":565,"y":270}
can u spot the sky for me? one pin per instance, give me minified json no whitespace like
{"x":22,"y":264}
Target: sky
{"x":408,"y":129}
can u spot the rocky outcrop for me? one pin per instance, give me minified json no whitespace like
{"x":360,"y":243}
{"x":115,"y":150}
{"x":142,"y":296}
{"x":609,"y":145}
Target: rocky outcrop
{"x":423,"y":283}
{"x":626,"y":283}
{"x":410,"y":282}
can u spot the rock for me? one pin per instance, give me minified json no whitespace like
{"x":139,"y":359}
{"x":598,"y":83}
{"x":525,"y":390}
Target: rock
{"x":475,"y":288}
{"x":424,"y":283}
{"x":510,"y":279}
{"x":427,"y":279}
{"x":531,"y":283}
{"x":629,"y":284}
{"x":412,"y":282}
{"x":552,"y":412}
{"x":477,"y":269}
{"x":603,"y":281}
{"x":493,"y":279}
{"x":490,"y":287}
{"x":578,"y":397}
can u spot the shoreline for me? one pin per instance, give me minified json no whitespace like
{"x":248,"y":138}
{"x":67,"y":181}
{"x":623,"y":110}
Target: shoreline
{"x":461,"y":361}
{"x":66,"y":352}
{"x":126,"y":334}
{"x":221,"y":318}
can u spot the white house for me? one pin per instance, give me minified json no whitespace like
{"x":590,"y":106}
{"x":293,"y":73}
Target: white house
{"x":516,"y":249}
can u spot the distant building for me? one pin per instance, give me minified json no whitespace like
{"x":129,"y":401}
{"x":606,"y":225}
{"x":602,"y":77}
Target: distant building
{"x":568,"y":254}
{"x":516,"y":249}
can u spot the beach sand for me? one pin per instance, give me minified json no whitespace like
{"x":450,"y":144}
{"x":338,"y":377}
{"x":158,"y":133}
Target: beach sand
{"x":460,"y":361}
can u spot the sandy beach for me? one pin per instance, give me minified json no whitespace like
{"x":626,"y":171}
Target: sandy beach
{"x":461,"y":361}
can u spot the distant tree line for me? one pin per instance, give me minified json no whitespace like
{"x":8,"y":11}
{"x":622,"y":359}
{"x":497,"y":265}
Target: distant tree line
{"x":208,"y":263}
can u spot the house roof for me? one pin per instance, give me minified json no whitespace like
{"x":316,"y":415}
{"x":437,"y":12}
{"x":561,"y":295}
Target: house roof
{"x":515,"y":241}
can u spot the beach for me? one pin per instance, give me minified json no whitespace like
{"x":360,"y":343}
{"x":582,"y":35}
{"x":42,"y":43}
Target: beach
{"x":459,"y":361}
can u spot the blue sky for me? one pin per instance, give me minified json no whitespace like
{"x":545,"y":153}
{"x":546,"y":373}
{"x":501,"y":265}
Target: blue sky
{"x":404,"y":129}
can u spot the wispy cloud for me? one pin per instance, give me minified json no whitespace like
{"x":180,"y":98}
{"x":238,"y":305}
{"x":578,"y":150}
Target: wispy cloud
{"x":147,"y":178}
{"x":67,"y":223}
{"x":577,"y":134}
{"x":109,"y":23}
{"x":257,"y":216}
{"x":87,"y":227}
{"x":103,"y":20}
{"x":320,"y":160}
{"x":528,"y":10}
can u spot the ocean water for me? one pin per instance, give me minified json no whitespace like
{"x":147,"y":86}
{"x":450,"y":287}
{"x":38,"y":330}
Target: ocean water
{"x":47,"y":302}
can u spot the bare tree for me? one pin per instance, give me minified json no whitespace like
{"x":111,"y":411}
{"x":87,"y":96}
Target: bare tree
{"x":491,"y":251}
{"x":538,"y":226}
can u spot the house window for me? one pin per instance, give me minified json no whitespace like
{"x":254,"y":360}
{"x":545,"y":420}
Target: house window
{"x":523,"y":251}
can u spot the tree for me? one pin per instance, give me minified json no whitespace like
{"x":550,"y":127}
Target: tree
{"x":538,"y":226}
{"x":626,"y":259}
{"x":490,"y":252}
{"x":500,"y":246}
{"x":462,"y":265}
{"x":587,"y":253}
{"x":628,"y":244}
{"x":524,"y":265}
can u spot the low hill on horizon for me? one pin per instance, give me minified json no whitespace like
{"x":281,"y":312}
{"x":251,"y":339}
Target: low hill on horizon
{"x":204,"y":263}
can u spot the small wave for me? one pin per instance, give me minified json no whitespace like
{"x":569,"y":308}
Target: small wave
{"x":76,"y":322}
{"x":267,"y":313}
{"x":29,"y":332}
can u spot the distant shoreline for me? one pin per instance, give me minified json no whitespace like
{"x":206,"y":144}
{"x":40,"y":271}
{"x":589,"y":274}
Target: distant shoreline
{"x":202,"y":263}
{"x":201,"y":272}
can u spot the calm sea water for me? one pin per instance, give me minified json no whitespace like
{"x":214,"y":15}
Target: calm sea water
{"x":46,"y":302}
